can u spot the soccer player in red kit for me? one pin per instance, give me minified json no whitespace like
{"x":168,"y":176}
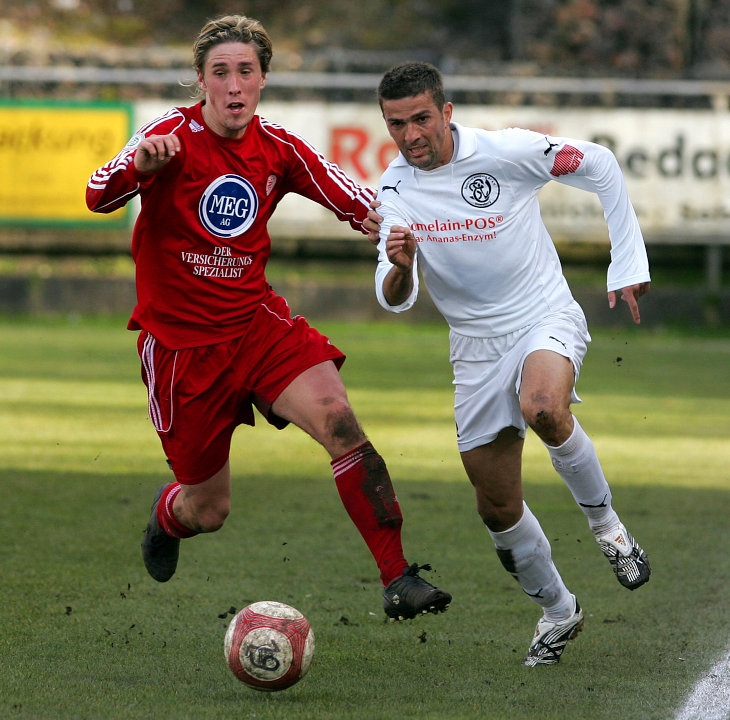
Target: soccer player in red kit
{"x":215,"y":339}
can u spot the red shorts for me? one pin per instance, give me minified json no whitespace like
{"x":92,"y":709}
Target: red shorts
{"x":198,"y":396}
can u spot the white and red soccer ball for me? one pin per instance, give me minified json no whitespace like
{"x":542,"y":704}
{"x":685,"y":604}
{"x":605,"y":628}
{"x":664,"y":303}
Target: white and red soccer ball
{"x":269,"y":645}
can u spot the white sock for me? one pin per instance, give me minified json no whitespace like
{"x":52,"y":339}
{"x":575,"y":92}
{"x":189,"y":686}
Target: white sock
{"x":524,"y":551}
{"x":577,"y":463}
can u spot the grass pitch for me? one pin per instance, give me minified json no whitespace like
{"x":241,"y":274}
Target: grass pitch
{"x":86,"y":634}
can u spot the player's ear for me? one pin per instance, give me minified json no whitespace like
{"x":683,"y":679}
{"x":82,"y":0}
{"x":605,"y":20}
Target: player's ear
{"x":448,"y":111}
{"x":262,"y":84}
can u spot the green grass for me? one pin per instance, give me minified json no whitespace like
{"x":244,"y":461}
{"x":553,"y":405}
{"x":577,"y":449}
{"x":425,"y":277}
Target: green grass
{"x":86,"y":634}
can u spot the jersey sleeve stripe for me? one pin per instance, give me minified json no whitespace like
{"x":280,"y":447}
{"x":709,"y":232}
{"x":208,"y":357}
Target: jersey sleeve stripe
{"x":351,"y":188}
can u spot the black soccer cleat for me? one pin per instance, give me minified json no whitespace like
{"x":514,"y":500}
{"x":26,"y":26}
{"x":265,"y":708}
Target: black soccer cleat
{"x":159,"y":551}
{"x":410,"y":595}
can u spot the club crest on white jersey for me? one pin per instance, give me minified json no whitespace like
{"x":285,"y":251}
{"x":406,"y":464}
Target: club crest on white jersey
{"x":480,"y":190}
{"x":228,"y":206}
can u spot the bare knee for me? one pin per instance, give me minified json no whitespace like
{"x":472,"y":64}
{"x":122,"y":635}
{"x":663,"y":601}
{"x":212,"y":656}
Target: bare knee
{"x":500,"y":517}
{"x":552,"y":423}
{"x":342,"y":429}
{"x":210,"y":516}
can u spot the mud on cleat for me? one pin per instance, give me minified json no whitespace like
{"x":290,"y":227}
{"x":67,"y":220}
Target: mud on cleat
{"x":410,"y":595}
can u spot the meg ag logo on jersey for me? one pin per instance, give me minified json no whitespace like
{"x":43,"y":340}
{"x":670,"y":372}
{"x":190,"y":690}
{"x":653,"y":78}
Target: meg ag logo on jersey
{"x":229,"y":206}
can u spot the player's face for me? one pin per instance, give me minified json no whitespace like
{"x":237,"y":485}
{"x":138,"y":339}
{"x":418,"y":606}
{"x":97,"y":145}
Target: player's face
{"x":420,"y":130}
{"x":232,"y":81}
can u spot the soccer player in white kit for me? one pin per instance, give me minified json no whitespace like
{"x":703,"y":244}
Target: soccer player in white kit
{"x":461,"y":205}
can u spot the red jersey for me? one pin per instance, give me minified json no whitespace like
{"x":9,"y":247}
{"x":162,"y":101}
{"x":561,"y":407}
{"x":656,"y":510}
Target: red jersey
{"x":200,"y":243}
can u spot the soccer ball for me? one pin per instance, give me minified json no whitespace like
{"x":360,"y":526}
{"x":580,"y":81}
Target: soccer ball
{"x":269,"y":645}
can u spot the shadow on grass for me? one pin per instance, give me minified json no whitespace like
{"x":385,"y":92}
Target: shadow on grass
{"x":86,"y":634}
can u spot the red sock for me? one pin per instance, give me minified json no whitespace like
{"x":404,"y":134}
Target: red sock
{"x":369,"y":498}
{"x":166,"y":517}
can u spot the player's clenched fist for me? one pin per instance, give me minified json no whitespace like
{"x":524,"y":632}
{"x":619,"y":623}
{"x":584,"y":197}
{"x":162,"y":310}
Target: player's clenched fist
{"x":401,"y":247}
{"x":156,"y":151}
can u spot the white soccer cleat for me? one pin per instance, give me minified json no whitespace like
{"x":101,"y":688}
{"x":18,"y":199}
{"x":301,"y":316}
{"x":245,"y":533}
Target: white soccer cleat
{"x":627,"y":559}
{"x":551,"y":638}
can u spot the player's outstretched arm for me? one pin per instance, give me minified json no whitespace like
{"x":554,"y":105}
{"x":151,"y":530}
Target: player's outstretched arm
{"x":630,"y":295}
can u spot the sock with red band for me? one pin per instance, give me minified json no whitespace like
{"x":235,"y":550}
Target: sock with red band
{"x":166,"y":517}
{"x":367,"y":493}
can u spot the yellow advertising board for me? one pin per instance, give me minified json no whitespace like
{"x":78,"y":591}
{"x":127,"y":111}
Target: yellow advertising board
{"x":47,"y":153}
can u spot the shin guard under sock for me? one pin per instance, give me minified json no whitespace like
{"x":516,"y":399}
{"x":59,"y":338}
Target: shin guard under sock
{"x":524,"y":552}
{"x":367,"y":493}
{"x":577,"y":464}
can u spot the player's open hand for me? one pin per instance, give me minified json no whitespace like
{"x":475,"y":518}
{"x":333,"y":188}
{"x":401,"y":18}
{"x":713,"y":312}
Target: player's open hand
{"x":630,"y":295}
{"x":155,"y":151}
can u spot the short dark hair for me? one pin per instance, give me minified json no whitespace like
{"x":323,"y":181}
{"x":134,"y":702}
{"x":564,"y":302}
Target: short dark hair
{"x":409,"y":79}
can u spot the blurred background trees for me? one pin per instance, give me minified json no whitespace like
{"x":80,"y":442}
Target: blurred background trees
{"x":595,"y":38}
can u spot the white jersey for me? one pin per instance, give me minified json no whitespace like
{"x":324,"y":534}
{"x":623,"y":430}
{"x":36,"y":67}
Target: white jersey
{"x":485,"y":254}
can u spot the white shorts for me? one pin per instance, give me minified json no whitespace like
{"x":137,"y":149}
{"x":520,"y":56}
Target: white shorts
{"x":488,"y":372}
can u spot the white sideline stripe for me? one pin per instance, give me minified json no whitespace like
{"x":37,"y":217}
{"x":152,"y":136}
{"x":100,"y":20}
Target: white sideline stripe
{"x":710,"y":698}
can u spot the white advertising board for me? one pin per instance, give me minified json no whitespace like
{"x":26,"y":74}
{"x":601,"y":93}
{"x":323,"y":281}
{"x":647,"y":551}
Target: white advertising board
{"x":676,"y":164}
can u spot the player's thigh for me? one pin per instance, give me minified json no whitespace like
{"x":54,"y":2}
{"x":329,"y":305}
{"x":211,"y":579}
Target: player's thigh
{"x":194,"y":406}
{"x":553,"y":351}
{"x":547,"y":377}
{"x":316,"y":401}
{"x":485,"y":401}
